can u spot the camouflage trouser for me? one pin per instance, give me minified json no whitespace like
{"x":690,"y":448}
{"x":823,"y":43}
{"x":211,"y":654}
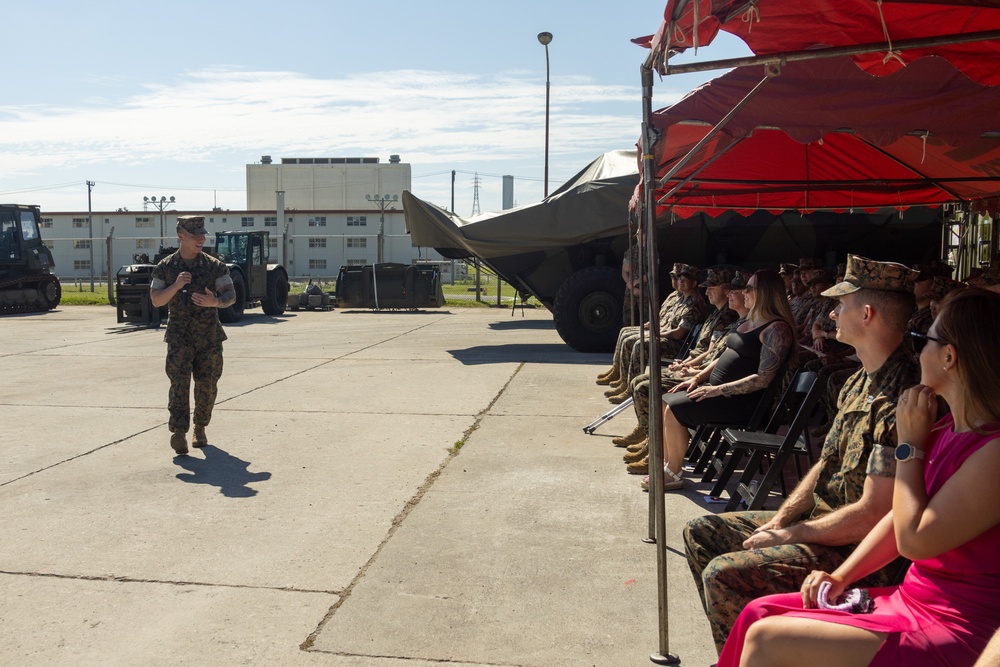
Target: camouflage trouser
{"x":204,"y":364}
{"x":640,"y":394}
{"x":625,"y":338}
{"x":728,"y":576}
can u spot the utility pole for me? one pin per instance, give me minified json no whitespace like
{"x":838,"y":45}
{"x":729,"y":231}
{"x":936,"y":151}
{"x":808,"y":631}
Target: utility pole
{"x":382,"y":202}
{"x":90,"y":233}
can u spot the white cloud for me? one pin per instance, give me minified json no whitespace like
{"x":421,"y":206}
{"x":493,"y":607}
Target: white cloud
{"x":430,"y":117}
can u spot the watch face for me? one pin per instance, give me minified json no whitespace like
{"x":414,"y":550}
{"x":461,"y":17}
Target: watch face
{"x":903,"y":452}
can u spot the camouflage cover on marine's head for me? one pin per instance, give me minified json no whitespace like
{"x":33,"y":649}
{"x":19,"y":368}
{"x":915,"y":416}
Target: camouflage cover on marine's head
{"x":678,"y":267}
{"x":864,"y":273}
{"x":740,"y":280}
{"x":717,"y":277}
{"x":942,"y":286}
{"x":787,"y":269}
{"x":192,"y":224}
{"x":688,"y":271}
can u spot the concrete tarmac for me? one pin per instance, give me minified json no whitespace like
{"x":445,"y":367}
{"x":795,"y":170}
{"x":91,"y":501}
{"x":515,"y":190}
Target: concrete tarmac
{"x":388,"y":489}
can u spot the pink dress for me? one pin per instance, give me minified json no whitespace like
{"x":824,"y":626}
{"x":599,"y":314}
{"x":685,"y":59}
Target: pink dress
{"x":946,"y":609}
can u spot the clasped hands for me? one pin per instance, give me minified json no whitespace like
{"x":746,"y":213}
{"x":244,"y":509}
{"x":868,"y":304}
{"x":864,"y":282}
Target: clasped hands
{"x":206,"y":299}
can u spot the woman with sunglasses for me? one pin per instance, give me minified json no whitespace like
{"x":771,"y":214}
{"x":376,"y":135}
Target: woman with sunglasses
{"x":731,"y":387}
{"x":945,"y":518}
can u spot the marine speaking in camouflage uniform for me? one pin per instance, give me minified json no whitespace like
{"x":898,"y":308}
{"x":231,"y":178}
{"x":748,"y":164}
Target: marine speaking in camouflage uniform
{"x":739,"y":556}
{"x":195,"y":285}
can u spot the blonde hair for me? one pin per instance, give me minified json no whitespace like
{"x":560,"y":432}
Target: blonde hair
{"x":771,"y":303}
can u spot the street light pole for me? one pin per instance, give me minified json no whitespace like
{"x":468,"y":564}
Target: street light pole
{"x":161,"y":204}
{"x":382,"y":202}
{"x":545,"y":38}
{"x":90,"y":232}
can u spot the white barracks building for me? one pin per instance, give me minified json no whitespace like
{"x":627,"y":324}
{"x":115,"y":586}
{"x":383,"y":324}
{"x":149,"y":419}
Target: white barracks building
{"x":321,"y":213}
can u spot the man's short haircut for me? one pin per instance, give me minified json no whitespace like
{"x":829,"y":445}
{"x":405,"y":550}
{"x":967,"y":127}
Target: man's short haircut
{"x":895,"y":308}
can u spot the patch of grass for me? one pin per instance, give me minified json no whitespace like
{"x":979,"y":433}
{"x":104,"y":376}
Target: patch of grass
{"x":79,"y":294}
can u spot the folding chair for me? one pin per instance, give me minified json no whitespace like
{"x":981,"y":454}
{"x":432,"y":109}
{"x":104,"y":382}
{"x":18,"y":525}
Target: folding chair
{"x":793,"y":412}
{"x":708,"y":450}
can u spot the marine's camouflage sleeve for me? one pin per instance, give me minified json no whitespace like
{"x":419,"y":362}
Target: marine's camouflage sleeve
{"x":862,"y":439}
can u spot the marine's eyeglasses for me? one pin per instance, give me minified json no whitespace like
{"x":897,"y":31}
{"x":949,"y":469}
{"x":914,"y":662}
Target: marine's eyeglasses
{"x":920,"y":340}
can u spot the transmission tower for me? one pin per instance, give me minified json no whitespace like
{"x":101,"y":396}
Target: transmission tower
{"x":476,"y":182}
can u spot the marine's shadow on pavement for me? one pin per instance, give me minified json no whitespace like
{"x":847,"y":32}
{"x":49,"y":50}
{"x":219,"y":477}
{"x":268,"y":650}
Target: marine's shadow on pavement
{"x":221,"y":469}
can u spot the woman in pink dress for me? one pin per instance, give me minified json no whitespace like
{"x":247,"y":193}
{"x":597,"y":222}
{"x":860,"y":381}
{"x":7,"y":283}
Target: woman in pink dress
{"x":945,"y":518}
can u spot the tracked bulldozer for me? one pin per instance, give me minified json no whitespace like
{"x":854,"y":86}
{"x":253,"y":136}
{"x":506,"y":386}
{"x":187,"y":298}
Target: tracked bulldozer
{"x":26,"y":284}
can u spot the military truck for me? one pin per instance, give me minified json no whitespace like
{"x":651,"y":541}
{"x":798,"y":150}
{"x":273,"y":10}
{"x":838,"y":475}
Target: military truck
{"x":256,"y":281}
{"x":26,"y":284}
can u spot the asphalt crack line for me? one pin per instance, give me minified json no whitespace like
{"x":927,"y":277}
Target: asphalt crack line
{"x":165,"y":582}
{"x":398,"y":520}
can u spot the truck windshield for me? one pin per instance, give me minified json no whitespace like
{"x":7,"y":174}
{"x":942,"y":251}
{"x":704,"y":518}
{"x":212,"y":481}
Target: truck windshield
{"x":29,"y":226}
{"x":233,"y":248}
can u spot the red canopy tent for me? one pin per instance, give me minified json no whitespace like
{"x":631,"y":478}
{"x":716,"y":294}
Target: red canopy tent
{"x":826,"y":135}
{"x":953,"y":29}
{"x":826,"y":139}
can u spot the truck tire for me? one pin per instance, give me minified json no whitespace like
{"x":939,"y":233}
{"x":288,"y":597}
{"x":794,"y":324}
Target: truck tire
{"x":588,"y":309}
{"x":276,"y":299}
{"x":234,"y":313}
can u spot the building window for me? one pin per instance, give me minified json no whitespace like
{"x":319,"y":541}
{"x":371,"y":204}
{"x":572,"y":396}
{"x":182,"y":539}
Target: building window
{"x":318,"y":221}
{"x":81,"y":245}
{"x":317,"y":243}
{"x":272,"y":243}
{"x":143,"y":244}
{"x":81,"y":264}
{"x":317,"y":264}
{"x":357,"y":221}
{"x":357,"y":262}
{"x":46,"y":222}
{"x":270,"y":221}
{"x":357,"y":242}
{"x":144,"y":222}
{"x":247,"y":221}
{"x":79,"y":223}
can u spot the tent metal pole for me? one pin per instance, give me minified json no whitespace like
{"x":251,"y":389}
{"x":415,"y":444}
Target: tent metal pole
{"x":833,"y":52}
{"x":663,"y":656}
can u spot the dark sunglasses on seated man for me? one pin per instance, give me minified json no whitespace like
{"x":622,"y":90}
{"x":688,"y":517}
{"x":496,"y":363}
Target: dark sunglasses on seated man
{"x":919,"y":340}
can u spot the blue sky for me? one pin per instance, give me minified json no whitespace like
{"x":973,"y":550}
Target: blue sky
{"x":176,"y":99}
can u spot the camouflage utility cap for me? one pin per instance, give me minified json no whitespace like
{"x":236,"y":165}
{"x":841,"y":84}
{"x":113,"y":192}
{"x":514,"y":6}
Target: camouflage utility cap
{"x":740,"y":280}
{"x":988,"y":277}
{"x":787,"y":269}
{"x":942,"y":286}
{"x":931,"y":269}
{"x":676,"y":271}
{"x":864,"y":273}
{"x":688,"y":271}
{"x":192,"y":224}
{"x":717,"y":277}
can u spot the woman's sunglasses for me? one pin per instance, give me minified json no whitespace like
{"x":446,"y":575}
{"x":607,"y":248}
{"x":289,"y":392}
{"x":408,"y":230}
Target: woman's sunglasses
{"x":920,"y":340}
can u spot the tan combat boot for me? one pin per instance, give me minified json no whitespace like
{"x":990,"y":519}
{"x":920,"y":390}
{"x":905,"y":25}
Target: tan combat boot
{"x":637,"y":455}
{"x":200,"y":439}
{"x":638,"y":468}
{"x":638,"y":434}
{"x":179,"y":443}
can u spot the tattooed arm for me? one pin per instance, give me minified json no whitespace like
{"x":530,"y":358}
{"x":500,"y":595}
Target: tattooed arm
{"x":777,"y":341}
